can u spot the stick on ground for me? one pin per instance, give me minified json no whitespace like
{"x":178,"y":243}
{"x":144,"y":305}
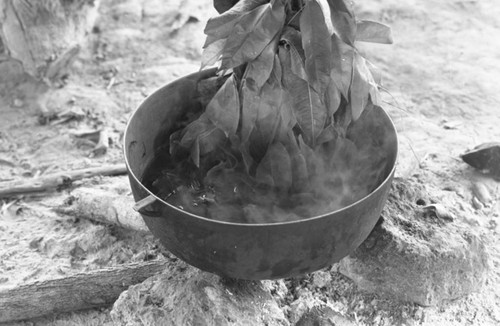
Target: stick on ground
{"x":93,"y":289}
{"x":56,"y":180}
{"x":105,"y":206}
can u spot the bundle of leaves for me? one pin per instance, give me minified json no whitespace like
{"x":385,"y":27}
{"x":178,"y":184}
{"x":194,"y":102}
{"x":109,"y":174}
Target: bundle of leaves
{"x":292,"y":83}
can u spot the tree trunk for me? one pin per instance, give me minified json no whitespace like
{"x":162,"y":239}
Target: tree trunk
{"x":81,"y":291}
{"x":44,"y":35}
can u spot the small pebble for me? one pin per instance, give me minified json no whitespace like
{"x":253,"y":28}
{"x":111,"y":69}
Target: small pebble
{"x":482,"y":193}
{"x":476,"y":203}
{"x":440,"y":211}
{"x":321,"y":279}
{"x":419,"y":313}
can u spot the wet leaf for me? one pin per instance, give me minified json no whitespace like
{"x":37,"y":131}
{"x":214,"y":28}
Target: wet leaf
{"x":247,"y":158}
{"x":375,"y":96}
{"x":325,"y":8}
{"x":375,"y":32}
{"x":332,"y":98}
{"x":269,"y":116}
{"x":375,"y":71}
{"x":327,"y":134}
{"x":317,"y":45}
{"x":224,"y":108}
{"x":292,"y":37}
{"x":300,"y":176}
{"x":309,"y":156}
{"x":221,"y":26}
{"x":342,"y":57}
{"x":195,"y":152}
{"x":212,"y":53}
{"x":275,"y":169}
{"x":362,"y":84}
{"x":274,"y":115}
{"x":260,"y":69}
{"x":343,"y":20}
{"x":201,"y":137}
{"x":307,"y":106}
{"x":252,"y":33}
{"x":344,"y":118}
{"x":250,"y":108}
{"x":263,"y":109}
{"x":224,"y":5}
{"x":293,"y":40}
{"x":175,"y":139}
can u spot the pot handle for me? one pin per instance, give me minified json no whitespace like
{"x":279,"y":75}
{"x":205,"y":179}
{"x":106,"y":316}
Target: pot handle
{"x":142,"y":207}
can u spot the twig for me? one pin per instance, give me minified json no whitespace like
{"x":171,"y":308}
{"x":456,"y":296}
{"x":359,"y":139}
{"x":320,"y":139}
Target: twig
{"x":93,"y":289}
{"x":56,"y":180}
{"x":103,"y":206}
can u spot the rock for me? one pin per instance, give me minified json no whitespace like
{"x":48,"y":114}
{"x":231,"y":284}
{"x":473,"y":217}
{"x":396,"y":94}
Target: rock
{"x":305,"y":302}
{"x":183,"y":295}
{"x":324,"y":316}
{"x":416,"y":257}
{"x":277,"y":288}
{"x":321,"y":279}
{"x":439,"y":211}
{"x":481,"y":192}
{"x":485,"y":157}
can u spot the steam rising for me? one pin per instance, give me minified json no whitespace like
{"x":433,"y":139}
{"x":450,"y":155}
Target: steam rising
{"x":341,"y":172}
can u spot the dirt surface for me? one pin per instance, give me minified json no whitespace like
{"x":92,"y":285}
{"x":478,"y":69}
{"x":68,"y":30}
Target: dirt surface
{"x":442,"y":77}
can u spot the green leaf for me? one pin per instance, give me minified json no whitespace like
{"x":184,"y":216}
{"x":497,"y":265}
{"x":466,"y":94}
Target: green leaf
{"x":275,"y":169}
{"x":212,"y":53}
{"x":220,"y":27}
{"x":375,"y":32}
{"x":375,"y":96}
{"x":343,"y":119}
{"x":307,"y":106}
{"x":291,"y":37}
{"x":362,"y":84}
{"x":274,"y":115}
{"x":252,"y":33}
{"x":195,"y":152}
{"x":343,"y":20}
{"x":341,"y":6}
{"x":268,"y":114}
{"x":308,"y":110}
{"x":259,"y":70}
{"x":342,"y":57}
{"x":309,"y":156}
{"x":300,"y":175}
{"x":201,"y":137}
{"x":224,"y":5}
{"x":328,"y":134}
{"x":250,"y":108}
{"x":332,"y":98}
{"x":375,"y":71}
{"x":317,"y":45}
{"x":325,"y":8}
{"x":224,"y":108}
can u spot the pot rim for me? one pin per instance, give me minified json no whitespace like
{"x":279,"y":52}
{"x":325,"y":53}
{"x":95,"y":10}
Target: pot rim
{"x":372,"y":193}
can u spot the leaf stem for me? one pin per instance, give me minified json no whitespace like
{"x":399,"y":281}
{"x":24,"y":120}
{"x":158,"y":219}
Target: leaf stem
{"x":295,"y":15}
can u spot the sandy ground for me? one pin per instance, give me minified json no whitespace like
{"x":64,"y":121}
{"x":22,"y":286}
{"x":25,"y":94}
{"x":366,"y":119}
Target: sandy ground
{"x":441,"y":75}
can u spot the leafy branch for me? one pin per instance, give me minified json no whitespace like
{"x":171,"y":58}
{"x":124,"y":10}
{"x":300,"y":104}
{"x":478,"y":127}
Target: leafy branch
{"x":296,"y":82}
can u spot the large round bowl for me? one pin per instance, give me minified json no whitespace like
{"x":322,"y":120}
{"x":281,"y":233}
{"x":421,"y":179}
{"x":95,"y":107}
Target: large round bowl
{"x":246,"y":251}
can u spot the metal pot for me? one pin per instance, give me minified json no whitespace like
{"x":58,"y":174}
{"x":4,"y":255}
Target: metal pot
{"x":244,"y":251}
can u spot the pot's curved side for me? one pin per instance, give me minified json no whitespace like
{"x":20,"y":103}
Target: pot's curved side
{"x":245,"y":251}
